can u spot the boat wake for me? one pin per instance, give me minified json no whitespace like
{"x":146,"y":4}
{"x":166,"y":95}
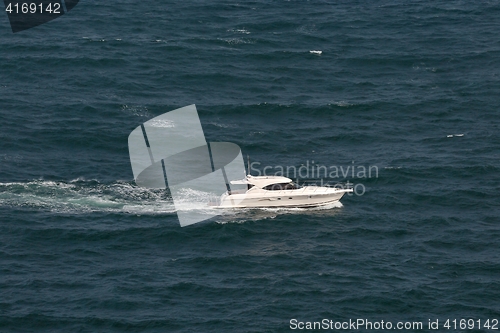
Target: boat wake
{"x":81,"y":196}
{"x":84,"y":196}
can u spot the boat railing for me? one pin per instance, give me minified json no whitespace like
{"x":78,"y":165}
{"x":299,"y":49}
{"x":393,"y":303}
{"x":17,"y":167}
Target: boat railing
{"x":321,"y":188}
{"x":337,"y":185}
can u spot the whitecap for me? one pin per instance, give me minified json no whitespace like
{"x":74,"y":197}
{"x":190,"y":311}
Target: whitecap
{"x":342,"y":104}
{"x":163,"y":123}
{"x":241,"y":31}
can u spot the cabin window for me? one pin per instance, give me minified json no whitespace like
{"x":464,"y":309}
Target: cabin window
{"x":281,"y":186}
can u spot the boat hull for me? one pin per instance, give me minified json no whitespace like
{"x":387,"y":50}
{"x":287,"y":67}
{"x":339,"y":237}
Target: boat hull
{"x":280,"y":200}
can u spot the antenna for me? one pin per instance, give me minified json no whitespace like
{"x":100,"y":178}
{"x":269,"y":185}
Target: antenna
{"x":248,"y":164}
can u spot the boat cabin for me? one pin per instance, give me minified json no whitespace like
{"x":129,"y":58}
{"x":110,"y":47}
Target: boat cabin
{"x":268,"y":183}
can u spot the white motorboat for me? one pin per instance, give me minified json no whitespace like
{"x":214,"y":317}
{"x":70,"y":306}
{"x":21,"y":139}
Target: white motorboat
{"x":277,"y":191}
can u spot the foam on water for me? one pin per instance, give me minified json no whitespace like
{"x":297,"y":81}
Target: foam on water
{"x":86,"y":196}
{"x":83,"y":197}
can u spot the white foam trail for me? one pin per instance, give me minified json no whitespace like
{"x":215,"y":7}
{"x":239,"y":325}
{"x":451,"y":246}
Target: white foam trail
{"x":81,"y":196}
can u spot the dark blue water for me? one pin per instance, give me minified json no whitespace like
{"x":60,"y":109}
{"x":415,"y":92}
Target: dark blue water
{"x":411,"y":88}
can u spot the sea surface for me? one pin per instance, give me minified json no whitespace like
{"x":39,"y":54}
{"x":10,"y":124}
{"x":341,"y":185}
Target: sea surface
{"x":409,"y":87}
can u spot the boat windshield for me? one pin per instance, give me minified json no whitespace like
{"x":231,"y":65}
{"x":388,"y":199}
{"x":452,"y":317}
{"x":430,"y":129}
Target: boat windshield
{"x":281,"y":186}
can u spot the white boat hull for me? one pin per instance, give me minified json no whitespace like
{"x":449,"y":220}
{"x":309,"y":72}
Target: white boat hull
{"x":310,"y":196}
